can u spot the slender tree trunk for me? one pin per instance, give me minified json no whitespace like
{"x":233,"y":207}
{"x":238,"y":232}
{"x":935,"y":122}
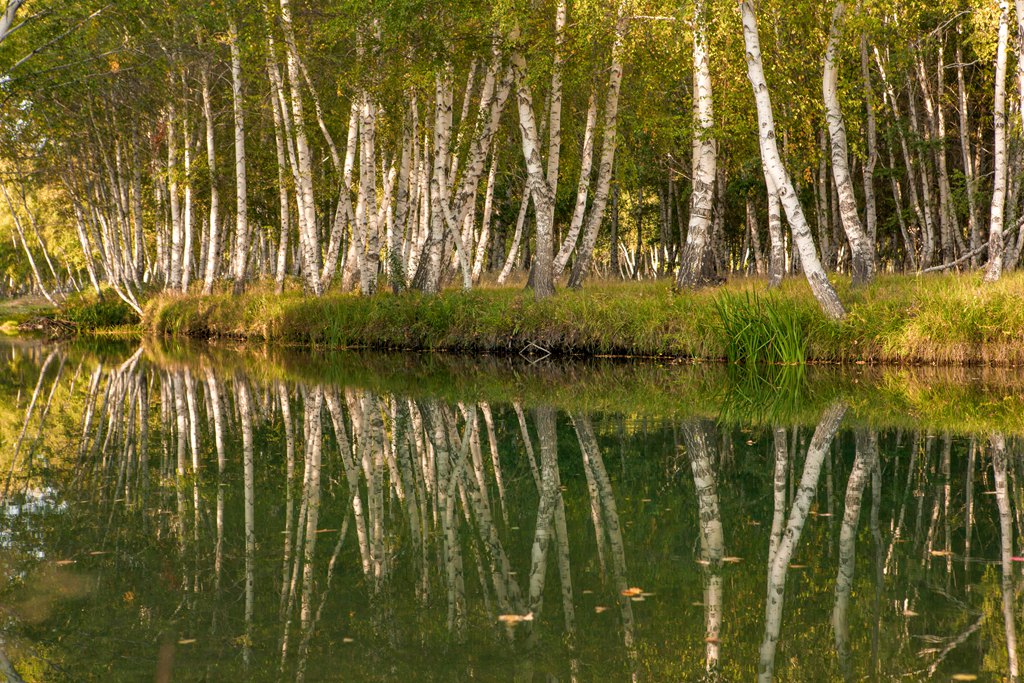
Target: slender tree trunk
{"x":861,"y":248}
{"x":212,"y":236}
{"x":309,"y":243}
{"x":609,"y":141}
{"x":974,"y":224}
{"x":240,"y":258}
{"x":777,"y":255}
{"x":994,"y":268}
{"x":697,"y":265}
{"x":816,"y":277}
{"x":175,"y":201}
{"x":871,"y":133}
{"x":755,"y":234}
{"x":186,"y":218}
{"x":582,"y":189}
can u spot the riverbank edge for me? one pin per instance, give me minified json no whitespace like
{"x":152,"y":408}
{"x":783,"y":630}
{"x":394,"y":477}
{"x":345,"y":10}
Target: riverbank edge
{"x":950,"y":320}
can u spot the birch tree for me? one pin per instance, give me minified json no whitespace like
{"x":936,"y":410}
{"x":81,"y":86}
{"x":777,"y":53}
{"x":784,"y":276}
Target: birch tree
{"x":697,"y":268}
{"x":861,"y":247}
{"x":821,"y":287}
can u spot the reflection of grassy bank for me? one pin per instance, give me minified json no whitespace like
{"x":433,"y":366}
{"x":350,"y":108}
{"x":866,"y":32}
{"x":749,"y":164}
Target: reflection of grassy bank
{"x":944,"y":319}
{"x":958,"y":400}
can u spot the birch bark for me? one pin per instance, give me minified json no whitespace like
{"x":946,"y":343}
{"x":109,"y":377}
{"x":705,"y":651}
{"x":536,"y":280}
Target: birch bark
{"x":697,"y":267}
{"x":241,"y":255}
{"x":861,"y":248}
{"x":816,"y":277}
{"x":994,"y":268}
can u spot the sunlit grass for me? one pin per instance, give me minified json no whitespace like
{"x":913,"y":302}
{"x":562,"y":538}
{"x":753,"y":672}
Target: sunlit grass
{"x":940,"y":318}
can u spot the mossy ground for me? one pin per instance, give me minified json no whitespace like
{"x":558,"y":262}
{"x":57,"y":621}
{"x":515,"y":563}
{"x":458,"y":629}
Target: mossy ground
{"x":945,"y":319}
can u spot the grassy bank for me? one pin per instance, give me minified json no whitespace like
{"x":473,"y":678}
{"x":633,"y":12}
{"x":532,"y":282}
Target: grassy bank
{"x":940,"y":319}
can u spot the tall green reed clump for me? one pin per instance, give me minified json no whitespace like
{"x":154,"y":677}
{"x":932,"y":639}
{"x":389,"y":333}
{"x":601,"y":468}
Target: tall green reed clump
{"x":761,"y":329}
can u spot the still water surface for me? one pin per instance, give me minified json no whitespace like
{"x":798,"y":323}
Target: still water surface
{"x":207,"y":514}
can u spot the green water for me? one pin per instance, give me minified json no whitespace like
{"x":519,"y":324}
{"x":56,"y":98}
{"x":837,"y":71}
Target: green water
{"x":197,"y":514}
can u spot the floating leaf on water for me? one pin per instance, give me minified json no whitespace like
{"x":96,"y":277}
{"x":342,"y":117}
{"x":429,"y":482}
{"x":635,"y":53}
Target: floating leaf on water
{"x":632,"y":592}
{"x":129,"y":597}
{"x":513,"y":619}
{"x":600,"y":608}
{"x":965,"y":677}
{"x":186,"y":641}
{"x":348,"y":640}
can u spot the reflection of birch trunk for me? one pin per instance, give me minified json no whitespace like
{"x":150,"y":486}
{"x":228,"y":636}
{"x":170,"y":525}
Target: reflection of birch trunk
{"x":863,"y":464}
{"x":969,"y":504}
{"x":593,"y":461}
{"x":820,"y":442}
{"x":781,"y":465}
{"x":351,"y":474}
{"x":997,"y":443}
{"x":444,"y":495}
{"x":311,"y":495}
{"x":544,"y":418}
{"x":289,"y":444}
{"x":244,"y":399}
{"x":492,"y":443}
{"x":712,"y":537}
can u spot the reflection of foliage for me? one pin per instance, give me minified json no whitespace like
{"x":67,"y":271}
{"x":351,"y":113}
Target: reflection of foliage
{"x":765,"y":394}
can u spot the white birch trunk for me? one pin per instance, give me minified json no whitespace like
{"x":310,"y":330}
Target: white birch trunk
{"x":816,"y":277}
{"x":697,"y":265}
{"x":994,"y":268}
{"x":862,"y":251}
{"x":240,"y":259}
{"x":213,"y":236}
{"x":582,"y":190}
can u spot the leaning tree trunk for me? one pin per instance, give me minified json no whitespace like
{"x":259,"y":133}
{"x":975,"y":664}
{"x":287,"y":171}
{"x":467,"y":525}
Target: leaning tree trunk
{"x":697,"y":266}
{"x":608,"y":145}
{"x":582,"y":189}
{"x":862,"y":250}
{"x":308,"y":241}
{"x":995,"y":231}
{"x":773,"y":167}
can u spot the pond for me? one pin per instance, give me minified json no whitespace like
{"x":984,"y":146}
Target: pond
{"x":177,"y":512}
